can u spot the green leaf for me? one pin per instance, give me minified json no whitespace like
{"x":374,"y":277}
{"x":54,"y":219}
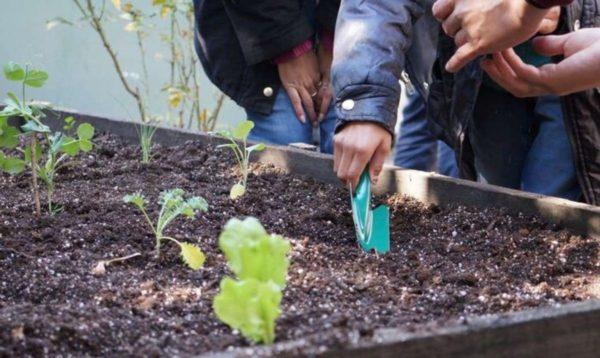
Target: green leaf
{"x":225,"y":133}
{"x":192,"y":255}
{"x":69,"y":122}
{"x":9,"y":138}
{"x":252,"y":253}
{"x":13,"y":101}
{"x":250,"y":306}
{"x":228,"y":145}
{"x":14,"y":72}
{"x":85,"y":131}
{"x":136,"y":199}
{"x":237,"y":191}
{"x":35,"y":78}
{"x":34,"y":126}
{"x":242,"y":130}
{"x":70,"y":146}
{"x":11,"y":165}
{"x":85,"y":145}
{"x":257,"y":147}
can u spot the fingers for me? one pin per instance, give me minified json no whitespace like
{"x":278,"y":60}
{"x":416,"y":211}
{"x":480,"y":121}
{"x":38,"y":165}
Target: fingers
{"x":465,"y":54}
{"x":502,"y":73}
{"x":376,"y":164}
{"x":296,"y":102}
{"x":338,"y":150}
{"x":550,"y":45}
{"x":451,"y":25}
{"x":307,"y":101}
{"x":442,"y":9}
{"x":325,"y":97}
{"x":550,"y":21}
{"x":526,"y":72}
{"x":461,"y":38}
{"x":360,"y":159}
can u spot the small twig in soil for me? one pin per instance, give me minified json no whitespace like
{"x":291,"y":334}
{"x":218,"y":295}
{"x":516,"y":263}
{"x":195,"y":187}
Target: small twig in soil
{"x":100,"y":268}
{"x":8,"y":249}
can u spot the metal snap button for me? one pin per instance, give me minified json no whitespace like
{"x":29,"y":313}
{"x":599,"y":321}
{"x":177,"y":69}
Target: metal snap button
{"x":348,"y":105}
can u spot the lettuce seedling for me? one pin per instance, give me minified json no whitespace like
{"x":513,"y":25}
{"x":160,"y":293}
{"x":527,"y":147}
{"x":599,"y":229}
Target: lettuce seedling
{"x":238,"y":145}
{"x":53,"y":149}
{"x":173,"y":205}
{"x":251,"y":303}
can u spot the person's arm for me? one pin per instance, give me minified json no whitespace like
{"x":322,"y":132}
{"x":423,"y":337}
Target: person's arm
{"x":371,"y":40}
{"x":483,"y":27}
{"x":578,"y":71}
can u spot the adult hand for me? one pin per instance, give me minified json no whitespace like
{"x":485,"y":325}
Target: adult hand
{"x":580,"y":69}
{"x":485,"y":26}
{"x":359,"y":144}
{"x":300,"y":78}
{"x":325,"y":95}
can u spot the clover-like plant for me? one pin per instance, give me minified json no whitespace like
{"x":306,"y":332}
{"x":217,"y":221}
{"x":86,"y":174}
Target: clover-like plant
{"x":52,"y":150}
{"x":173,"y":204}
{"x":238,"y":145}
{"x":251,"y":303}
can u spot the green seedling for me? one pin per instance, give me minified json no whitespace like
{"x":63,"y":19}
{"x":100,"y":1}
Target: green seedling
{"x":173,"y":205}
{"x":251,"y":302}
{"x":45,"y":156}
{"x":238,"y":145}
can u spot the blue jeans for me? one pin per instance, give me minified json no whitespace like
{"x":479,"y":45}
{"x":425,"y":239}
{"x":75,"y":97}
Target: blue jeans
{"x":282,"y":127}
{"x":523,"y":144}
{"x":416,"y":148}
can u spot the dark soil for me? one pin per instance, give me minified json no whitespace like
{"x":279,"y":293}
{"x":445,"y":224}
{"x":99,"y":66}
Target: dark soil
{"x":446,"y":263}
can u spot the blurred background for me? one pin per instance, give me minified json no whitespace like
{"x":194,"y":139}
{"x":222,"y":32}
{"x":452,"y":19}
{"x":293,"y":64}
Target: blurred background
{"x":56,"y":37}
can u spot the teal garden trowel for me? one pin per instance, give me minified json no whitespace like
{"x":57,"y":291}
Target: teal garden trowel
{"x":372,"y":226}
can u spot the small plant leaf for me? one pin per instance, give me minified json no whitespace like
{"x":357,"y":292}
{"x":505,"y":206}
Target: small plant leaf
{"x":85,"y":145}
{"x":137,"y":199}
{"x":242,"y":130}
{"x":34,"y":126}
{"x":38,"y":153}
{"x":35,"y":78}
{"x":250,"y":306}
{"x":9,"y":135}
{"x":237,"y":191}
{"x":252,"y":253}
{"x":85,"y":131}
{"x":70,"y":146}
{"x":257,"y":147}
{"x":192,"y":255}
{"x":14,"y":72}
{"x":11,"y":165}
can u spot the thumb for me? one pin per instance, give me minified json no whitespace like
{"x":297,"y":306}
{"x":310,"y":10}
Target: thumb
{"x":550,"y":45}
{"x":377,"y":160}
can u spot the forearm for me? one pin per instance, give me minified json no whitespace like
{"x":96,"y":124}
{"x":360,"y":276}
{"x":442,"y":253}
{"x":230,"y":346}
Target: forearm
{"x":372,"y":38}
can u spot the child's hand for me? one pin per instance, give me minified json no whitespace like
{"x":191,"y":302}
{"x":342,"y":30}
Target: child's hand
{"x":359,"y":144}
{"x":578,"y":71}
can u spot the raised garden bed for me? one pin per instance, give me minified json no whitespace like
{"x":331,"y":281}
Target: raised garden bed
{"x":460,"y":280}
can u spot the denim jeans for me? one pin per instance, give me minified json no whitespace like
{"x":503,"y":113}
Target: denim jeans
{"x":282,"y":127}
{"x":416,"y":148}
{"x":523,"y":144}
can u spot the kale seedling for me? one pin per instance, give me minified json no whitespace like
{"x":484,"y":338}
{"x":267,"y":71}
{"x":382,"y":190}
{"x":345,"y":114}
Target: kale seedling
{"x":259,"y":260}
{"x":58,"y":147}
{"x":173,"y":205}
{"x":238,"y":145}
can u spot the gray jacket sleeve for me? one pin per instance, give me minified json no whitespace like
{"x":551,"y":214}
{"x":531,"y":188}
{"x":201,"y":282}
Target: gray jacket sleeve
{"x":371,"y":41}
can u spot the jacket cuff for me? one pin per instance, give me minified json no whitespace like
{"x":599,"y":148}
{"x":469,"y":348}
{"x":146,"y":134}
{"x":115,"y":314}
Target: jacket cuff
{"x":382,"y":110}
{"x":546,"y":4}
{"x":296,"y":52}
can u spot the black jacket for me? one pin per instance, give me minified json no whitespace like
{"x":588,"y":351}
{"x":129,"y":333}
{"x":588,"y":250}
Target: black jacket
{"x":237,"y":39}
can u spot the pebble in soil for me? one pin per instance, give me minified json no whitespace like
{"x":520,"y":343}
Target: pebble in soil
{"x":446,"y":263}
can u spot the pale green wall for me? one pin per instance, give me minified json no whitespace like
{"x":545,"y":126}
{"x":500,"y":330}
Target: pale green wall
{"x":81,"y":74}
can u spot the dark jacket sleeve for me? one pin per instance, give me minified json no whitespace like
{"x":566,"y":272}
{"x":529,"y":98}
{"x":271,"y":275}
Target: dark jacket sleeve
{"x":371,"y":41}
{"x":265,"y":29}
{"x":546,"y":4}
{"x":327,"y":11}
